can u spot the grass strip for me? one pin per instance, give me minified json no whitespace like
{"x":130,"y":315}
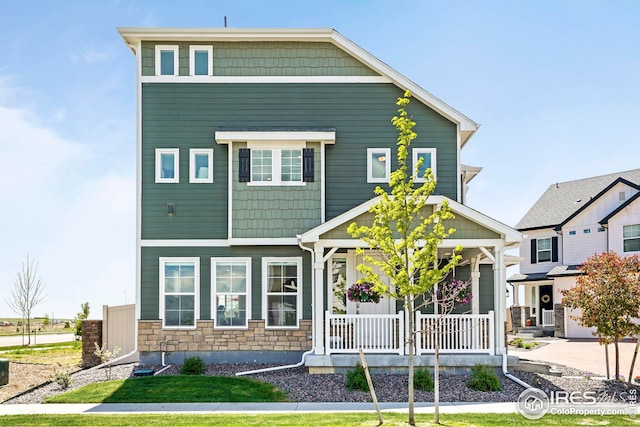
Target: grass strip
{"x":310,"y":419}
{"x":178,"y":389}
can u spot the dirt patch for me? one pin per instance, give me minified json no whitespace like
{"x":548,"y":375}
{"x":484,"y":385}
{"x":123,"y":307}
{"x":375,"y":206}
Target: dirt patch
{"x":25,"y":376}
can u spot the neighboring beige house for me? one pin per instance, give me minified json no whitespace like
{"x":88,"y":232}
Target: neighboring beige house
{"x":571,"y":222}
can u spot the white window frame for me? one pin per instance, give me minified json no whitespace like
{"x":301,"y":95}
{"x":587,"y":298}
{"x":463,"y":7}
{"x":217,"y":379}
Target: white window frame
{"x":386,"y":153}
{"x":634,"y":237}
{"x":193,"y":173}
{"x":176,"y":165}
{"x":276,"y":165}
{"x":196,"y":290}
{"x":265,"y":300}
{"x":572,"y":232}
{"x":192,"y":59}
{"x":415,"y":153}
{"x":550,"y":250}
{"x":176,"y":59}
{"x":214,"y":291}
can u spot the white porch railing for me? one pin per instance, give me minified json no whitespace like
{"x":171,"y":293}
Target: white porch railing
{"x":457,"y":333}
{"x":548,"y":318}
{"x":374,"y":333}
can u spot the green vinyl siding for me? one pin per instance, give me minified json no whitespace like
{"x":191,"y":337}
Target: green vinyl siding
{"x":266,"y":59}
{"x":186,"y":116}
{"x":150,"y":267}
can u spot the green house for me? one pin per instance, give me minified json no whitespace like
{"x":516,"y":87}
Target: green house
{"x":256,"y":148}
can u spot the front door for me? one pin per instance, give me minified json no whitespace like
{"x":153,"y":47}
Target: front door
{"x":386,"y":303}
{"x":546,"y":302}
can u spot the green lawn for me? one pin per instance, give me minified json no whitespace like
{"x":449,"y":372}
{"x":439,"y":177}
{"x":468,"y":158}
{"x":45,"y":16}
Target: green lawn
{"x":309,"y":419}
{"x":164,"y":389}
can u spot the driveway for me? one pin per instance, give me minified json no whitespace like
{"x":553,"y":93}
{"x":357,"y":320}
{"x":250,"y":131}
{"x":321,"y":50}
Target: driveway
{"x":583,"y":354}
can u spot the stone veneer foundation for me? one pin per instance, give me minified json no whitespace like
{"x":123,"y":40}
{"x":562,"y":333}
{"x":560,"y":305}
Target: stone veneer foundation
{"x":206,"y":338}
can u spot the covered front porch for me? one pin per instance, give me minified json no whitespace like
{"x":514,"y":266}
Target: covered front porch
{"x":475,"y":333}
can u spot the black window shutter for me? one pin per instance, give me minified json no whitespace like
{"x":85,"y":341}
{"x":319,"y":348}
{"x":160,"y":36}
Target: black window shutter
{"x":244,"y":165}
{"x":534,"y":251}
{"x":554,"y":249}
{"x":307,"y":165}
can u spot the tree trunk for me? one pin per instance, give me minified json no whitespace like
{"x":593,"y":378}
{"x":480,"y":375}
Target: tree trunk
{"x":436,"y":380}
{"x":633,"y":360}
{"x":606,"y":358}
{"x":615,"y":343}
{"x":411,"y":341}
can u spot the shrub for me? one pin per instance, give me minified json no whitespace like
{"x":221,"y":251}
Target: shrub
{"x":63,"y":378}
{"x":483,"y":378}
{"x":422,"y":380}
{"x":192,"y":366}
{"x":357,"y":379}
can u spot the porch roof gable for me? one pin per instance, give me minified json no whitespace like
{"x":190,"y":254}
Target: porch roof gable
{"x":502,"y":231}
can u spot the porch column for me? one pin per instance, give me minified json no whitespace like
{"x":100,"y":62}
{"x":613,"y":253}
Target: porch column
{"x":516,"y":295}
{"x":475,"y":284}
{"x":318,"y":305}
{"x":499,"y":298}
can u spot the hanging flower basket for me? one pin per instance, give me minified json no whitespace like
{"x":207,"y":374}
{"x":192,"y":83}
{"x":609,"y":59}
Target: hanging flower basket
{"x":362,"y":292}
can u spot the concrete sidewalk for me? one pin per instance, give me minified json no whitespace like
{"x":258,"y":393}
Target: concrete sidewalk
{"x":254,"y":408}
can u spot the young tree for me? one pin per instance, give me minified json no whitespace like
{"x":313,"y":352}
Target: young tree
{"x":27,"y":293}
{"x":405,"y":236}
{"x":608,"y":293}
{"x":82,"y":315}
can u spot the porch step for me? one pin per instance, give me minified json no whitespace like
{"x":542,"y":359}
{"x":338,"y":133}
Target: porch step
{"x":529,"y":332}
{"x":537,"y":367}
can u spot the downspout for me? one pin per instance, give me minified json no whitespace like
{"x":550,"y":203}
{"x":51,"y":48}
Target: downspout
{"x":313,"y":322}
{"x":502,"y":308}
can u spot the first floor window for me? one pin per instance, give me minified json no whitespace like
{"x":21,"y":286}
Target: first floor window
{"x":179,"y":283}
{"x":282,"y":278}
{"x":231,"y":282}
{"x":427,"y":159}
{"x":631,"y":238}
{"x":378,"y":164}
{"x":167,"y":161}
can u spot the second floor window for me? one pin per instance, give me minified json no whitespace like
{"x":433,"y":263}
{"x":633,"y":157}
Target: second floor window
{"x":276,"y":166}
{"x":378,"y":164}
{"x":167,"y":161}
{"x":631,"y":238}
{"x":428,"y":157}
{"x":544,"y":250}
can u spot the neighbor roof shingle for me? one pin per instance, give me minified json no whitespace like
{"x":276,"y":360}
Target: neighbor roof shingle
{"x":563,"y":199}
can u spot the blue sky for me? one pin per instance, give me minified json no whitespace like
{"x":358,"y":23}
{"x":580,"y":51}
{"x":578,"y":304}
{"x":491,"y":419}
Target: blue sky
{"x":554,"y":84}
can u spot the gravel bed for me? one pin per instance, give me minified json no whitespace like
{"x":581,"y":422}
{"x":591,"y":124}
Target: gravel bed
{"x":300,"y":386}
